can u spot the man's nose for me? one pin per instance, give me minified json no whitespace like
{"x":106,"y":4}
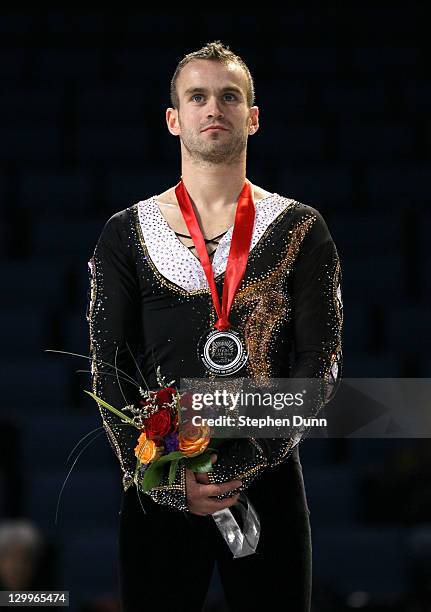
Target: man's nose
{"x":213,"y":108}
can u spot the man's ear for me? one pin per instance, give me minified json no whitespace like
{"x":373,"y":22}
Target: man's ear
{"x":172,"y":121}
{"x":253,"y":120}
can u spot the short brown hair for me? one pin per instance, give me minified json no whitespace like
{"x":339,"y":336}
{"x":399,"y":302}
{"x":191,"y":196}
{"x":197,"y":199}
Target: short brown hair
{"x":218,"y":52}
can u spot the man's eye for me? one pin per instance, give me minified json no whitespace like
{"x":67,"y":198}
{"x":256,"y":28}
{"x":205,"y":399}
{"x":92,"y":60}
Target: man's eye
{"x":201,"y":96}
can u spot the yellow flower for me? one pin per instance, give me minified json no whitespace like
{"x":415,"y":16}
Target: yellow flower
{"x":146,"y":450}
{"x":193,"y":440}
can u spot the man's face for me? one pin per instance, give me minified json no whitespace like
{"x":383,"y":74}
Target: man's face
{"x":212,"y":93}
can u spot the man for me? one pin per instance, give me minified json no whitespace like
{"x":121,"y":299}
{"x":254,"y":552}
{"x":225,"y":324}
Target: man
{"x":151,"y":305}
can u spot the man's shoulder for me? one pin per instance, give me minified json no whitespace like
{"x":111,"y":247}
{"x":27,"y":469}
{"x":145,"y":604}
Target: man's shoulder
{"x":122,"y":216}
{"x":301,"y":209}
{"x":118,"y":223}
{"x":318,"y":231}
{"x":306,"y":215}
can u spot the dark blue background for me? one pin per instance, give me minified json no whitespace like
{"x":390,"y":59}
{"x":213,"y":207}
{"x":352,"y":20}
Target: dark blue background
{"x":344,"y":97}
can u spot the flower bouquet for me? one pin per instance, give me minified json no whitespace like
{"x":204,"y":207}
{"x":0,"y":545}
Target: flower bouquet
{"x":164,"y":440}
{"x":164,"y":437}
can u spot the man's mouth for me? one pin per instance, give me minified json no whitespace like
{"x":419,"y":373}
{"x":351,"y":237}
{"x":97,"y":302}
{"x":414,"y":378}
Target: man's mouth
{"x":214,"y":127}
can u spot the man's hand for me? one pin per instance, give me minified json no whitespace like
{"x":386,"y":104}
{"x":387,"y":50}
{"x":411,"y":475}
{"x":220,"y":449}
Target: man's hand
{"x":200,"y":492}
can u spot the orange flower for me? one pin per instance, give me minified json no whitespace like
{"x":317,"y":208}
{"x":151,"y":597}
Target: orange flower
{"x":146,"y":449}
{"x":192,"y":439}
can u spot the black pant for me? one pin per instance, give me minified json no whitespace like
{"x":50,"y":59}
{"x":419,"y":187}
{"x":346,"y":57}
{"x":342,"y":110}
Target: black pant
{"x":166,"y":557}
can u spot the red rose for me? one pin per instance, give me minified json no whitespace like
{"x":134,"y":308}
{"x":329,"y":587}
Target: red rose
{"x":165,"y":395}
{"x":159,"y":424}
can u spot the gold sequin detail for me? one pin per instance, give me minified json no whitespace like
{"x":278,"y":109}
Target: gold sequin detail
{"x":267,"y":305}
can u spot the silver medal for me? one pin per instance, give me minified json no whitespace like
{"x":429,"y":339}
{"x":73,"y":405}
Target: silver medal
{"x":223,"y":352}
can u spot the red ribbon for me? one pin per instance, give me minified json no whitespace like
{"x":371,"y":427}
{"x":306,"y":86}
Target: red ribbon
{"x":238,"y":252}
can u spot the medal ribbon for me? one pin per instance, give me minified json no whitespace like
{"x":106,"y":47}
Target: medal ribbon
{"x":238,"y":252}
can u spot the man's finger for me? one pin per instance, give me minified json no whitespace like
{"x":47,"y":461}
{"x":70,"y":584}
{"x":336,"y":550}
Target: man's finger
{"x":213,"y":490}
{"x":202,"y":477}
{"x":220,"y":504}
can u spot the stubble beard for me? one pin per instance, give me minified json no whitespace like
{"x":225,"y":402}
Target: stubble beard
{"x":214,"y":151}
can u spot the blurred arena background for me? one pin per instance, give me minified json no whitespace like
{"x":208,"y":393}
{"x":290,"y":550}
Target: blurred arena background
{"x":344,"y":97}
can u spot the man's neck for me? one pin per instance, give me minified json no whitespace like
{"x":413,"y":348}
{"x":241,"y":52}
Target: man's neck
{"x":213,"y":190}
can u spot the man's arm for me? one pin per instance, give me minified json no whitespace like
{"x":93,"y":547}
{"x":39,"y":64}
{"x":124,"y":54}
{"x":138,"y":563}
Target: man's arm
{"x":113,"y":320}
{"x":317,"y":320}
{"x":113,"y":315}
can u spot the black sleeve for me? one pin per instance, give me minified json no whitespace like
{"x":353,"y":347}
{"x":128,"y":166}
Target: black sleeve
{"x":113,"y":315}
{"x":113,"y":320}
{"x":315,"y":278}
{"x":318,"y":321}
